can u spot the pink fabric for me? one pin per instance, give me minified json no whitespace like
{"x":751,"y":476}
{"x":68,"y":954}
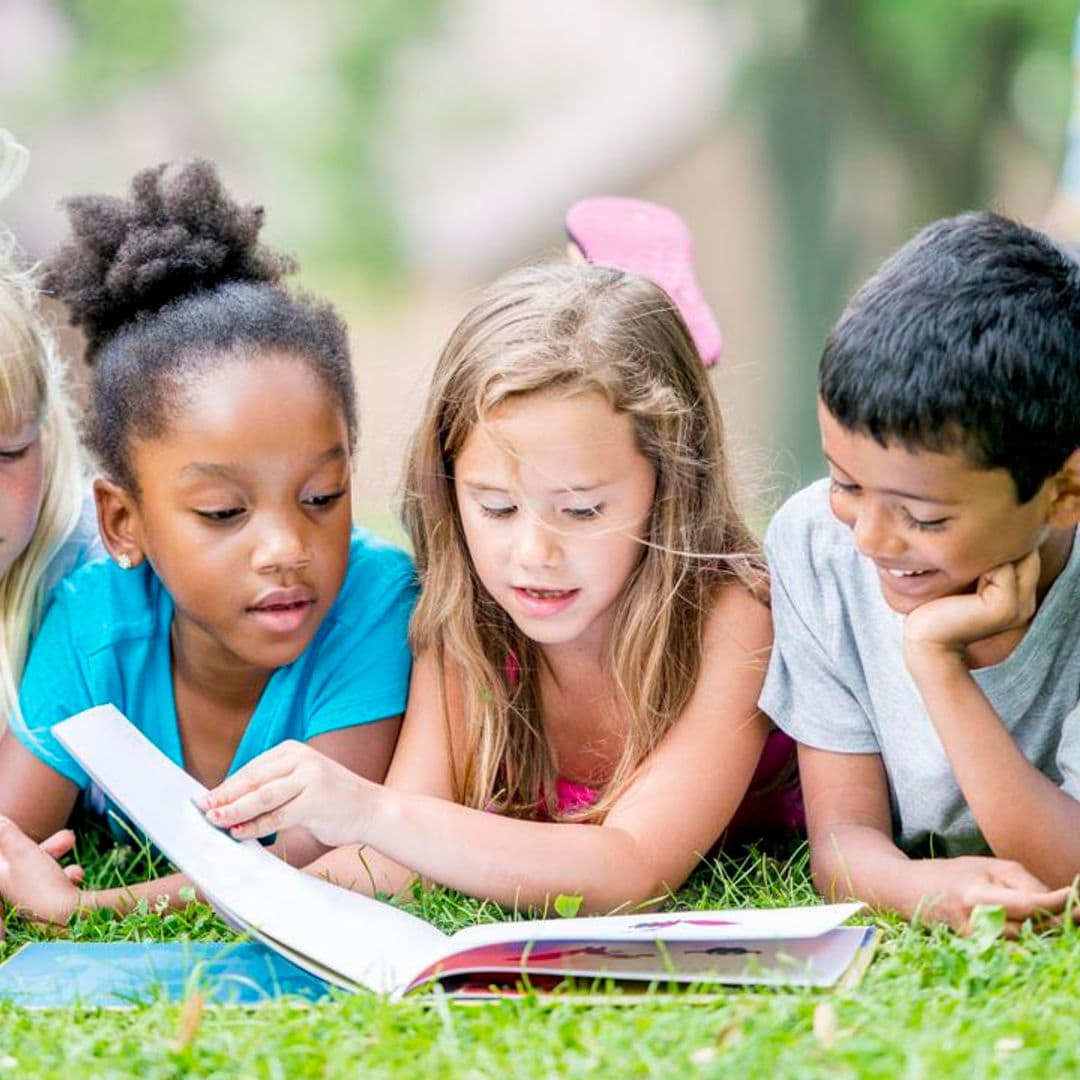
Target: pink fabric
{"x":772,"y":807}
{"x":571,"y":796}
{"x":774,"y":804}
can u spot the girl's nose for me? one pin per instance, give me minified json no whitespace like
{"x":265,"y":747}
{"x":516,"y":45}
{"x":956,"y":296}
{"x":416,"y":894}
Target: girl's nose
{"x":537,"y":544}
{"x":280,"y":546}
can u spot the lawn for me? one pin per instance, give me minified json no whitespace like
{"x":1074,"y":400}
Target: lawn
{"x":931,"y":1004}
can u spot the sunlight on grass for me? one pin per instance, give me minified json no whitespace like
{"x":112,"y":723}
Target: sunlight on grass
{"x":932,"y":1004}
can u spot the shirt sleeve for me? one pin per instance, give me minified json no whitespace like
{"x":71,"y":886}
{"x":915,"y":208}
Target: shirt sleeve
{"x":804,"y":693}
{"x":363,"y":667}
{"x":54,"y":687}
{"x":1068,"y":754}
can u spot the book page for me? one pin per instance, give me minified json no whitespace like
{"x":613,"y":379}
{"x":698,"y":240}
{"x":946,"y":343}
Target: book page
{"x":747,"y":924}
{"x":808,"y":961}
{"x":364,"y":941}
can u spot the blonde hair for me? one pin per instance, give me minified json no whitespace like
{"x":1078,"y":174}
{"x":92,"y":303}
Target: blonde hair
{"x":572,"y":329}
{"x":32,"y":388}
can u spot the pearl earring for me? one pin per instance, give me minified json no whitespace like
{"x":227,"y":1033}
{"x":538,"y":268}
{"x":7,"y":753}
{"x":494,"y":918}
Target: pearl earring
{"x":123,"y":560}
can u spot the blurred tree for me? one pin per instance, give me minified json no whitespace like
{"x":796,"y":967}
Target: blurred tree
{"x":120,"y":43}
{"x":367,"y":49}
{"x":898,"y":103}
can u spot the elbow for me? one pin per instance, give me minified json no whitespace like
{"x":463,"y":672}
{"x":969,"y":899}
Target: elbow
{"x":827,"y":868}
{"x":629,"y":883}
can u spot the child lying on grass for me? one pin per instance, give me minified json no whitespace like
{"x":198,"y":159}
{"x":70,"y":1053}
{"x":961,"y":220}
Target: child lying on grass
{"x":925,"y":596}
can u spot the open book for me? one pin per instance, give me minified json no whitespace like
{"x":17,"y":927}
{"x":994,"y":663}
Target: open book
{"x":355,"y":941}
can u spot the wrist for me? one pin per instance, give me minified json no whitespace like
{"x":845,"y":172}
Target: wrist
{"x":929,"y":658}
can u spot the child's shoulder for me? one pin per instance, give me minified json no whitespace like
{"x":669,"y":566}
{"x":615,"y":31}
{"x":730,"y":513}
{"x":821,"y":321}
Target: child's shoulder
{"x":103,"y":604}
{"x":804,"y":536}
{"x":379,"y":575}
{"x":82,"y":546}
{"x":813,"y":560}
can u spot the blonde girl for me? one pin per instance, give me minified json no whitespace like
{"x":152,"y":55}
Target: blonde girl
{"x":42,"y":484}
{"x":591,"y":636}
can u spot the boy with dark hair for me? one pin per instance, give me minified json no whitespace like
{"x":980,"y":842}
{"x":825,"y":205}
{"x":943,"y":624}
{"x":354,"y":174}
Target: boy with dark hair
{"x":926,"y":595}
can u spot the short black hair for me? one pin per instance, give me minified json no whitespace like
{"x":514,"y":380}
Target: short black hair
{"x":967,"y":339}
{"x":173,"y":280}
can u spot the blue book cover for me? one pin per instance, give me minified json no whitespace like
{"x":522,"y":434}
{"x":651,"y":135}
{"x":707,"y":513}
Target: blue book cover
{"x":124,"y":974}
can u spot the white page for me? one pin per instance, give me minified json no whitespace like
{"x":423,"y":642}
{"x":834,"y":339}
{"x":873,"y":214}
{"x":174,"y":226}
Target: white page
{"x":368,"y":942}
{"x":745,"y":924}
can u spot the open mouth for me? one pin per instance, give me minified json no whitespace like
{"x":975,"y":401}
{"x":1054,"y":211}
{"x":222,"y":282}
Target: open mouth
{"x":907,"y":573}
{"x":543,"y":602}
{"x":285,"y":615}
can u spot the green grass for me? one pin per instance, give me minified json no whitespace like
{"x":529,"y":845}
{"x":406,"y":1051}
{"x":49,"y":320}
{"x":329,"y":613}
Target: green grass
{"x":931,"y":1005}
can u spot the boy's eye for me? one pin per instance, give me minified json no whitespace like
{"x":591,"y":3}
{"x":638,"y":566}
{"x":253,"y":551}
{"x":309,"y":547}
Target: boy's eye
{"x":845,"y":489}
{"x":496,"y":511}
{"x":321,"y":502}
{"x":921,"y":523}
{"x":584,"y":513}
{"x":227,"y":513}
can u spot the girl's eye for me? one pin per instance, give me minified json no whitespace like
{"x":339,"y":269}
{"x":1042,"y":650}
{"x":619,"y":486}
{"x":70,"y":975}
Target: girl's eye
{"x":920,"y":523}
{"x":497,"y":511}
{"x":321,"y":502}
{"x":229,"y":513}
{"x":842,"y":489}
{"x":14,"y":455}
{"x":584,"y":513}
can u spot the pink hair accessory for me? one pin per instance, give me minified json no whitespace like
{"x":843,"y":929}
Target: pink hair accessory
{"x":652,"y":241}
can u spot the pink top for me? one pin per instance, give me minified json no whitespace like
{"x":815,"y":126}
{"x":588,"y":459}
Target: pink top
{"x":773,"y":805}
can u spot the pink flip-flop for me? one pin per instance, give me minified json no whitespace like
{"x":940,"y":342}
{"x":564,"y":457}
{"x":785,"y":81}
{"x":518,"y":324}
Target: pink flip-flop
{"x":648,"y":239}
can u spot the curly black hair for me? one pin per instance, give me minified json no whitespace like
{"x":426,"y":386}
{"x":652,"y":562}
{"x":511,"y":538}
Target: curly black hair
{"x":169,"y":283}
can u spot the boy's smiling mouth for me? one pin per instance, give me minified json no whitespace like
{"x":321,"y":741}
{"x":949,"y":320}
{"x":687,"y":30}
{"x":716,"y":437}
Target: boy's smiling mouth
{"x":906,"y":582}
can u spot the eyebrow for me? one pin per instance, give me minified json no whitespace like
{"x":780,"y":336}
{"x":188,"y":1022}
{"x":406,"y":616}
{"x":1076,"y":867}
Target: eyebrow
{"x":227,"y":471}
{"x":565,"y":489}
{"x":913,"y":495}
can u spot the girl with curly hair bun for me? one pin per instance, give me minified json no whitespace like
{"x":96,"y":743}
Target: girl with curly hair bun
{"x":44,"y":531}
{"x":591,"y":635}
{"x":239,"y":608}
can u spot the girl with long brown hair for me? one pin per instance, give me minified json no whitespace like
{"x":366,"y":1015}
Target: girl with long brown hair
{"x":592,"y":632}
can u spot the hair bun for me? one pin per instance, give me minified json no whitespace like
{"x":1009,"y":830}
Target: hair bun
{"x":179,"y":233}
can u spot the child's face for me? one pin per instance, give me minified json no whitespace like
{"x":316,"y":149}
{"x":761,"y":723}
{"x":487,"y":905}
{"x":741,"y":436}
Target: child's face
{"x":931,"y":522}
{"x":554,"y":497}
{"x":22,"y":483}
{"x":244,"y":510}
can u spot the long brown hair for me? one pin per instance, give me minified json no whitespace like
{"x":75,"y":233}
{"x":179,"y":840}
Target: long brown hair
{"x":575,"y":328}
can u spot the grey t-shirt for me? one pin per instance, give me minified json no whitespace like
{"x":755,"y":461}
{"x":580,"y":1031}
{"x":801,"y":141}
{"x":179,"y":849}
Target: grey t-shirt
{"x":837,"y":679}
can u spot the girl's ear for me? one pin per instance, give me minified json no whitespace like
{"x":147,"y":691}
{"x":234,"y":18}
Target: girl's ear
{"x":1065,"y":505}
{"x":119,"y":523}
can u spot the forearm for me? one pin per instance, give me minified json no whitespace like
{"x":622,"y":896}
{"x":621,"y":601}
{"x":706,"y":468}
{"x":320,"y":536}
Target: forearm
{"x":515,"y":863}
{"x":859,"y":862}
{"x":164,"y":891}
{"x":1021,"y":813}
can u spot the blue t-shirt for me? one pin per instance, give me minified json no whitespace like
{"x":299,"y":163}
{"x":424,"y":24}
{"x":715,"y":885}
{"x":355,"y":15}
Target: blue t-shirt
{"x":106,"y":639}
{"x":81,"y":547}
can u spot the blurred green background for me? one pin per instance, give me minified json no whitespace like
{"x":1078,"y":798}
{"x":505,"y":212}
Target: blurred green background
{"x":409,"y":150}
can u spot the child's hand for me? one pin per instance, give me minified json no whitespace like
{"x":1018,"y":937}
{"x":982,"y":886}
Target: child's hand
{"x":32,"y":880}
{"x":1004,"y":598}
{"x":953,"y":888}
{"x":292,"y":785}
